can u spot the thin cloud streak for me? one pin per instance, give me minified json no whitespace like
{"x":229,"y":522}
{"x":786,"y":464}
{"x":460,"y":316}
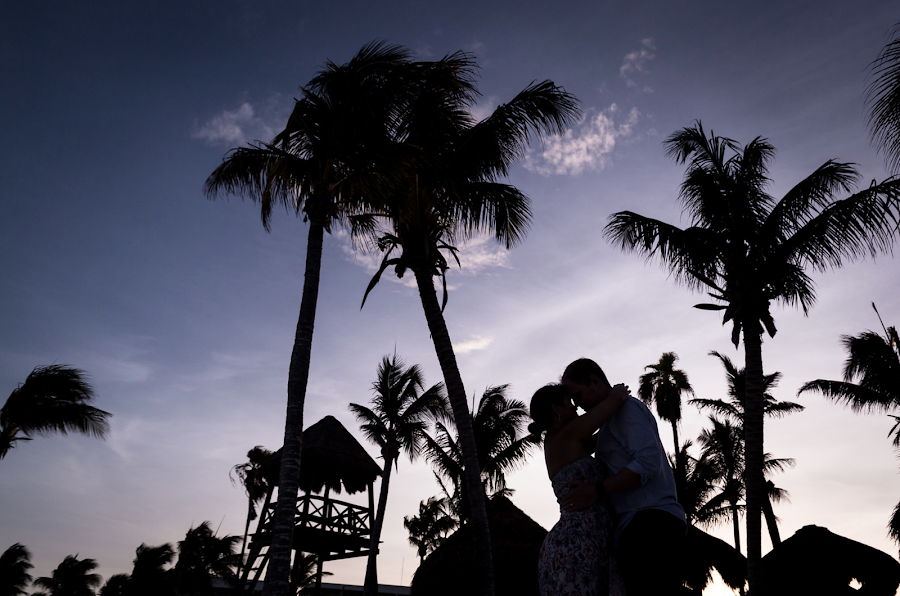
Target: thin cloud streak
{"x":636,"y":61}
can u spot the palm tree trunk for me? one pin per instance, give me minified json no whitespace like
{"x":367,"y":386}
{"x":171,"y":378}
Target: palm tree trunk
{"x":484,"y":566}
{"x":771,"y":522}
{"x":754,"y":480}
{"x":279,"y":572}
{"x":736,"y":522}
{"x":675,"y":436}
{"x":370,"y":587}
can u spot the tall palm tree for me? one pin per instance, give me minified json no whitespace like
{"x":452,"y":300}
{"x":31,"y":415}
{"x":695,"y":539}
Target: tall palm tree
{"x":72,"y":577}
{"x":54,"y":398}
{"x":254,"y":477}
{"x":14,"y":565}
{"x":450,"y":191}
{"x":665,"y":385}
{"x":397,"y":422}
{"x":724,"y":448}
{"x":323,"y":165}
{"x":871,"y":383}
{"x":201,"y":556}
{"x":883,"y":101}
{"x":430,"y":527}
{"x":733,"y":410}
{"x":498,"y":424}
{"x":749,"y":249}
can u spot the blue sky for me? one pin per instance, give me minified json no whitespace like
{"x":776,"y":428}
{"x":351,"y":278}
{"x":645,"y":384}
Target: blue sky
{"x":182,"y":310}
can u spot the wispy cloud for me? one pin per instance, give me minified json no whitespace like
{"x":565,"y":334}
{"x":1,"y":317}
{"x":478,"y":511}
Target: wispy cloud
{"x":244,"y":124}
{"x":636,"y":61}
{"x":587,"y":148}
{"x":473,"y":345}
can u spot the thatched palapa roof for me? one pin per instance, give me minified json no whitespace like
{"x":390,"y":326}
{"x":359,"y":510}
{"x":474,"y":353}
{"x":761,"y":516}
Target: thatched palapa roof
{"x":515,"y":541}
{"x":332,"y":457}
{"x":703,"y":552}
{"x":817,"y":561}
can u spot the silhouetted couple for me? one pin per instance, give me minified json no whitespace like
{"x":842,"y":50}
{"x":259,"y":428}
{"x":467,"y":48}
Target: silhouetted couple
{"x":621,"y":528}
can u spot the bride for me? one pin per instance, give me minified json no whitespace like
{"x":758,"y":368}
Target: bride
{"x":576,"y":557}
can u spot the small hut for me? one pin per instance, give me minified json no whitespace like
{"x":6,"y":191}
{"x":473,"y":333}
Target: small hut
{"x":332,"y":461}
{"x":515,"y":542}
{"x":817,"y":561}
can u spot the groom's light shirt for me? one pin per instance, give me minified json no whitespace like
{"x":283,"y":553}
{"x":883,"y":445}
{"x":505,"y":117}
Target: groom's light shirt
{"x":630,"y":439}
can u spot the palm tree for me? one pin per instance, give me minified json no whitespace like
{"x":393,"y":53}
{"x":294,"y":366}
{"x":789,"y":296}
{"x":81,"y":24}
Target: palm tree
{"x":871,"y":383}
{"x":748,"y":250}
{"x":449,"y":193}
{"x":694,"y":482}
{"x":397,"y":422}
{"x":202,"y":556}
{"x":430,"y":527}
{"x":322,"y":165}
{"x":303,"y":572}
{"x":665,"y":384}
{"x":724,"y":449}
{"x":149,"y":577}
{"x":117,"y":585}
{"x":14,"y":565}
{"x":71,"y":578}
{"x":498,"y":425}
{"x":254,"y":477}
{"x":54,"y":398}
{"x":733,"y":410}
{"x":883,"y":101}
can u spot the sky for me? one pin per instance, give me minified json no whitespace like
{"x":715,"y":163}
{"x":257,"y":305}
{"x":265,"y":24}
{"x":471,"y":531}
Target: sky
{"x":182,"y":310}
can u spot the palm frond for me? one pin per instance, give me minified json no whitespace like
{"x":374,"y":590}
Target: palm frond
{"x":883,"y":104}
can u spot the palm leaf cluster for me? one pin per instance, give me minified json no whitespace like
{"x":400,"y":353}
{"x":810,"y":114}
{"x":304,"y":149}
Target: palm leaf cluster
{"x":53,"y":399}
{"x":14,"y":565}
{"x":871,"y":382}
{"x":883,"y":101}
{"x":430,"y":527}
{"x":72,"y":577}
{"x":664,"y":385}
{"x":498,"y":424}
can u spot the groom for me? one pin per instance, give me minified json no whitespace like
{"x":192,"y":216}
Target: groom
{"x":638,"y":480}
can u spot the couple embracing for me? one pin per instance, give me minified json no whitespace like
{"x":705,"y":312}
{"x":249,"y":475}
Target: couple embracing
{"x":621,"y":529}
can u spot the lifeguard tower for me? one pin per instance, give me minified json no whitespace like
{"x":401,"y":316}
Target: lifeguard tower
{"x":332,"y":460}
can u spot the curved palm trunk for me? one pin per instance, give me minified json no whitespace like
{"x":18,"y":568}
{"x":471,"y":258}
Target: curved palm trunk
{"x":484,"y":566}
{"x":754,"y":480}
{"x":736,"y":522}
{"x":771,"y":522}
{"x":370,"y":587}
{"x":279,"y":573}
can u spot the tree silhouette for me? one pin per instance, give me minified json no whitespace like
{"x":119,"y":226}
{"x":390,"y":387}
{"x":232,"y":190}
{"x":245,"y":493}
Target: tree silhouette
{"x":72,"y":577}
{"x":733,"y":410}
{"x":303,"y":572}
{"x":14,"y":565}
{"x":203,"y":556}
{"x":747,"y":250}
{"x":871,"y":383}
{"x":664,"y":385}
{"x":430,"y":527}
{"x":449,"y":192}
{"x":883,"y":101}
{"x":54,"y":398}
{"x":117,"y":585}
{"x":149,"y":576}
{"x":254,"y":477}
{"x":325,"y":165}
{"x":498,"y":425}
{"x":397,"y":422}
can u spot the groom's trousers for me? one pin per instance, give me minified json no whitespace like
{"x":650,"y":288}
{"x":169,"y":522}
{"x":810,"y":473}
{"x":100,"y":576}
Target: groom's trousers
{"x":650,"y":554}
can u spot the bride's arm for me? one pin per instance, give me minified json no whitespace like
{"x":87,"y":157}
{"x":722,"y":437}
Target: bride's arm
{"x":585,"y":426}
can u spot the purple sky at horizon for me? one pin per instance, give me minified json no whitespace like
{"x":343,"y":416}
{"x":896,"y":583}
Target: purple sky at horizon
{"x":182,"y":310}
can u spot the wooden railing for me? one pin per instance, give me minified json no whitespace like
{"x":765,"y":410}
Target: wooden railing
{"x":320,"y":513}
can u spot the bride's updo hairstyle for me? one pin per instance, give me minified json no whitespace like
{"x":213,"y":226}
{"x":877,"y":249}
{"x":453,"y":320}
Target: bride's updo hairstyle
{"x":542,"y":407}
